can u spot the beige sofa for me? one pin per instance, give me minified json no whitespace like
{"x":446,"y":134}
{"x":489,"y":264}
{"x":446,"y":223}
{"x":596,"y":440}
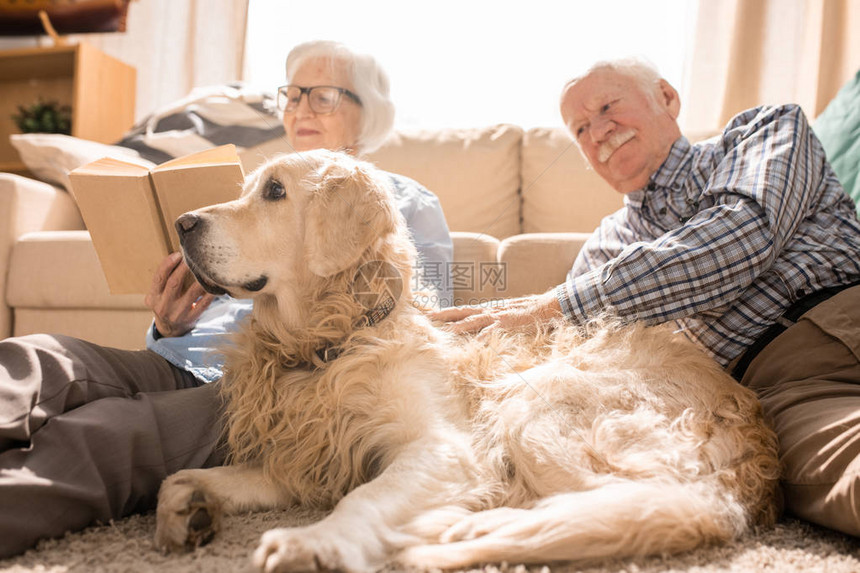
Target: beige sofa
{"x":519,"y":202}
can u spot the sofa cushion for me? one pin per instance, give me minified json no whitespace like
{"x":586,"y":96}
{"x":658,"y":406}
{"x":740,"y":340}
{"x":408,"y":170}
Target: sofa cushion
{"x":474,"y":172}
{"x":536,"y":262}
{"x":560,"y":191}
{"x":117,"y":328}
{"x":60,"y":269}
{"x":838,"y":128}
{"x":474,"y":270}
{"x":27,"y":205}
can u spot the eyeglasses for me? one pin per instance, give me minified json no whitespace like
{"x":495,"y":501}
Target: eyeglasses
{"x":321,"y":99}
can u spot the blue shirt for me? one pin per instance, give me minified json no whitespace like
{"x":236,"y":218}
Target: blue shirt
{"x":726,"y":235}
{"x":197,"y":351}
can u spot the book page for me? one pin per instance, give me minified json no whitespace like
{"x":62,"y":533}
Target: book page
{"x":196,"y":181}
{"x":119,"y":208}
{"x":221,"y":154}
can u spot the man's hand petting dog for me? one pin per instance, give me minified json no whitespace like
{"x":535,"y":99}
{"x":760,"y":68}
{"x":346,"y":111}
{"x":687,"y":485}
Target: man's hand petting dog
{"x":176,"y":309}
{"x":524,"y":314}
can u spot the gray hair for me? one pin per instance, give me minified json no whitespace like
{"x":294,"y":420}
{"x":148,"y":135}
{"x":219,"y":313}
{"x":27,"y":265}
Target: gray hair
{"x":643,"y":72}
{"x":369,"y":82}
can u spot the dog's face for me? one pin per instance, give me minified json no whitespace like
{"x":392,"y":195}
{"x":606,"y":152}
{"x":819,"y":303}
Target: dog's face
{"x":300,"y":218}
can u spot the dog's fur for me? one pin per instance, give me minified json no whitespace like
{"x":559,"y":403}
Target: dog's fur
{"x":436,"y":451}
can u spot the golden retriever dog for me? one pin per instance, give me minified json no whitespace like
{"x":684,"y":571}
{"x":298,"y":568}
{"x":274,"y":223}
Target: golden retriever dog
{"x":434,"y":451}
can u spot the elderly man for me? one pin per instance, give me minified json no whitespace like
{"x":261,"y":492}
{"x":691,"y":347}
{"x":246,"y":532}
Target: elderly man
{"x":748,"y":243}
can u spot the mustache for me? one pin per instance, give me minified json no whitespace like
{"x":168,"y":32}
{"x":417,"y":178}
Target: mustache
{"x":615,"y":141}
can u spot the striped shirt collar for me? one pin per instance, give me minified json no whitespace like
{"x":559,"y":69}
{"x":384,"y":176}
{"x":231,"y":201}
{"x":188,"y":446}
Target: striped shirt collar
{"x":671,"y":174}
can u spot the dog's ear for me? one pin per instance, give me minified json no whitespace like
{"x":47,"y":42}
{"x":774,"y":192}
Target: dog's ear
{"x":348,"y":212}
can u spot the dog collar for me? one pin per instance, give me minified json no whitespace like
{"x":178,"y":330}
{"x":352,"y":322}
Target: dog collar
{"x":373,"y":316}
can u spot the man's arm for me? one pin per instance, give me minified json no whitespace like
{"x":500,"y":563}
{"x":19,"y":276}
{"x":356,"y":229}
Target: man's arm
{"x":752,"y":204}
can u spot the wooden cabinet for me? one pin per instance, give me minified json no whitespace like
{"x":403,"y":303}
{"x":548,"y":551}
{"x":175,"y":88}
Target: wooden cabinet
{"x":100,"y":90}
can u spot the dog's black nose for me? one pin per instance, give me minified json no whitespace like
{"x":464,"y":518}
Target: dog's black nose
{"x":186,"y":223}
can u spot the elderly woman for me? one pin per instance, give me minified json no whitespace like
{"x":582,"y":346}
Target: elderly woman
{"x":87,"y":433}
{"x":336,"y":99}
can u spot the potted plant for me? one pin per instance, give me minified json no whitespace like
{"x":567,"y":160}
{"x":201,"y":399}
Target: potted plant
{"x":44,"y":117}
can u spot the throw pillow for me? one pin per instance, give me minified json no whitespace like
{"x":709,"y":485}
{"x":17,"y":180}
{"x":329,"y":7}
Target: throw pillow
{"x":50,"y":156}
{"x":207,"y":117}
{"x":474,"y":171}
{"x":838,"y":128}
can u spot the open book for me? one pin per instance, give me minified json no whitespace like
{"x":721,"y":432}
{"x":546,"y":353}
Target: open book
{"x":130,"y":210}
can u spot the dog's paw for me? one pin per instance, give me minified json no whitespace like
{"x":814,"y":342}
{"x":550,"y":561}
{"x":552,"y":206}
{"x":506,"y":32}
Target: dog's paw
{"x":483,"y":523}
{"x":306,"y":550}
{"x":187,"y":516}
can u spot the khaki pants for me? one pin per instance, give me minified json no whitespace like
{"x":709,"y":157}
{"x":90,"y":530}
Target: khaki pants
{"x":88,"y":433}
{"x":808,"y":381}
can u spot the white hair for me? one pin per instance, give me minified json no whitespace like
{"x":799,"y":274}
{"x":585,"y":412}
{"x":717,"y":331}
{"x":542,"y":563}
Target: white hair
{"x":369,"y":82}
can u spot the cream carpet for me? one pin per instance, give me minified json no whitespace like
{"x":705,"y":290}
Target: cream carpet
{"x":126,"y":546}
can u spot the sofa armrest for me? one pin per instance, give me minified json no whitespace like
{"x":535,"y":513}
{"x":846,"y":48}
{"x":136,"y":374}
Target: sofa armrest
{"x":536,"y":262}
{"x":28,"y":205}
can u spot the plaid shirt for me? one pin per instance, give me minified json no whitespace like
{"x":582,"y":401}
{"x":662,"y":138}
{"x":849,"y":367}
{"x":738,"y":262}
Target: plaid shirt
{"x":727,"y":234}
